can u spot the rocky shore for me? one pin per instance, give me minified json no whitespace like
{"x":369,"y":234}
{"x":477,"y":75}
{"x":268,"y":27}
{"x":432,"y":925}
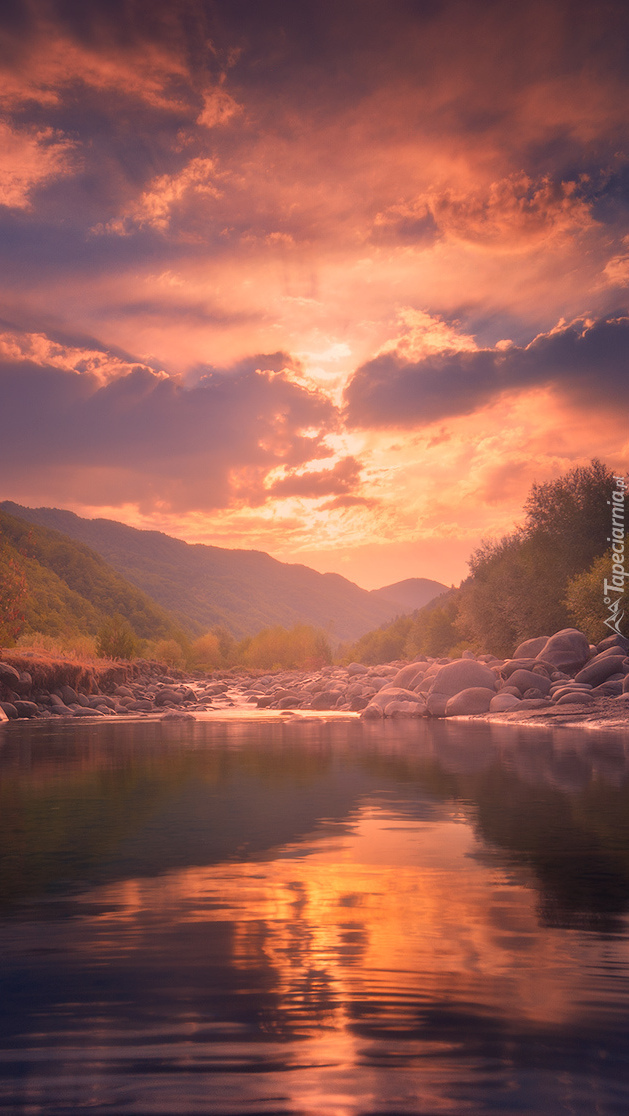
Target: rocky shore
{"x":558,"y":674}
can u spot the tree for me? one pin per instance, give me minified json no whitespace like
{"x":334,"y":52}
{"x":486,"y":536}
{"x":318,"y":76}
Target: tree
{"x":116,"y":639}
{"x":13,"y":588}
{"x":585,"y":600}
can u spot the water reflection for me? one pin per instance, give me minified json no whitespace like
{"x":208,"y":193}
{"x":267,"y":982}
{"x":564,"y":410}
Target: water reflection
{"x":318,"y":918}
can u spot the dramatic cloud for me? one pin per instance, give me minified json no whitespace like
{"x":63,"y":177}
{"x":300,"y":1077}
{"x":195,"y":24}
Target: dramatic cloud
{"x":585,"y":363}
{"x":144,"y":435}
{"x":409,"y":196}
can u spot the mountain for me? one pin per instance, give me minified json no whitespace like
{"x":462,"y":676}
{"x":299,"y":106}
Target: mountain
{"x":70,"y":588}
{"x":414,"y":592}
{"x":208,"y":586}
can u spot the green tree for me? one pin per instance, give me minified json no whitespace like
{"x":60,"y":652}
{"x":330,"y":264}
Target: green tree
{"x":116,"y":639}
{"x":585,"y":600}
{"x":13,"y":588}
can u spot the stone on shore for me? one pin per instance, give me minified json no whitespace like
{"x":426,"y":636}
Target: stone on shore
{"x":567,"y":650}
{"x":475,"y":699}
{"x":462,"y":674}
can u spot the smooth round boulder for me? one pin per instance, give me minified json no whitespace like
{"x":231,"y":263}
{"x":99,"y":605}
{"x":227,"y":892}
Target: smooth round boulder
{"x":371,"y":712}
{"x":583,"y":697}
{"x":527,"y":679}
{"x":567,"y":650}
{"x":463,"y":674}
{"x":355,"y":669}
{"x":475,"y":699}
{"x":26,"y":708}
{"x":599,"y":669}
{"x":436,"y":704}
{"x":530,"y":648}
{"x":3,"y":715}
{"x":396,"y":693}
{"x":9,"y":676}
{"x":408,"y":674}
{"x":503,"y":703}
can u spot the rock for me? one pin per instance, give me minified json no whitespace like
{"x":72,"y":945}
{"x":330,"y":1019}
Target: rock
{"x":177,"y":715}
{"x":355,"y":669}
{"x":475,"y":699}
{"x":585,"y":697}
{"x":462,"y":674}
{"x":600,"y":668}
{"x":613,"y":641}
{"x":9,"y":675}
{"x":26,"y":708}
{"x":526,"y":679}
{"x":395,"y":693}
{"x":567,"y":650}
{"x":357,"y":704}
{"x":3,"y":715}
{"x":436,"y":704}
{"x":510,"y":666}
{"x":86,"y":711}
{"x":530,"y":648}
{"x":534,"y":703}
{"x":10,"y":710}
{"x":404,"y":709}
{"x":143,"y":705}
{"x":371,"y":712}
{"x":503,"y":702}
{"x":67,"y":695}
{"x":326,"y":700}
{"x":408,"y":674}
{"x":510,"y":690}
{"x":569,"y":689}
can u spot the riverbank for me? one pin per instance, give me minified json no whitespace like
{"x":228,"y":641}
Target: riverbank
{"x":551,"y":680}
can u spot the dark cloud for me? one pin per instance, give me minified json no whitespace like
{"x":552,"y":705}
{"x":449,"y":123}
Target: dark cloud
{"x":586,"y":363}
{"x":145,"y":438}
{"x":341,"y":480}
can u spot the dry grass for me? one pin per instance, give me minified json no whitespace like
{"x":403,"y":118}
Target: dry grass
{"x":49,"y":670}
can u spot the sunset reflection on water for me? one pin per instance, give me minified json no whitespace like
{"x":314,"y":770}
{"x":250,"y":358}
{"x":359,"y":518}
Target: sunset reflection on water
{"x":370,"y":950}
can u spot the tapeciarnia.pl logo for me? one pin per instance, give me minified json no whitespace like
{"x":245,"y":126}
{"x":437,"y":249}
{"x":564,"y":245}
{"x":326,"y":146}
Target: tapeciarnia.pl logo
{"x":613,"y":590}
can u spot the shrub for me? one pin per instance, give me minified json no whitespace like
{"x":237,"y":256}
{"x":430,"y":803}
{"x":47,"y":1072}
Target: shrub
{"x":116,"y":639}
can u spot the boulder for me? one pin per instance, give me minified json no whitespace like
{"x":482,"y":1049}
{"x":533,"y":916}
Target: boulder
{"x":3,"y":715}
{"x":436,"y":704}
{"x":474,"y":699}
{"x":9,"y":675}
{"x":395,"y":693}
{"x":583,"y":697}
{"x":408,"y":674}
{"x":530,"y":648}
{"x":372,"y":712}
{"x":502,"y":703}
{"x":527,"y":679}
{"x":600,"y":668}
{"x":26,"y":708}
{"x":567,"y":650}
{"x":326,"y":700}
{"x":355,"y":669}
{"x":10,"y":710}
{"x":462,"y":674}
{"x":612,"y":642}
{"x":404,"y":709}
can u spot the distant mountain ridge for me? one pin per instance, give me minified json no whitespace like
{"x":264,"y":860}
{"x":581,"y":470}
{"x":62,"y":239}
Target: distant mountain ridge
{"x":410,"y":594}
{"x":241,"y":590}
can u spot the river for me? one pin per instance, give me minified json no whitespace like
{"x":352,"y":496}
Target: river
{"x":315,"y":917}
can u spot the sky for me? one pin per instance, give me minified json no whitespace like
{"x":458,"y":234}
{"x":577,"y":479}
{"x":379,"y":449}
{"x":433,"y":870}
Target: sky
{"x":336,"y":280}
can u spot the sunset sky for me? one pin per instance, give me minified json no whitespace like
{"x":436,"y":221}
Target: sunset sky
{"x":334,"y":280}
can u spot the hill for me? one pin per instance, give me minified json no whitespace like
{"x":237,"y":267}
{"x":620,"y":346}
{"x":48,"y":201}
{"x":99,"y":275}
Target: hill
{"x":68,"y":588}
{"x":208,"y":586}
{"x":414,"y":592}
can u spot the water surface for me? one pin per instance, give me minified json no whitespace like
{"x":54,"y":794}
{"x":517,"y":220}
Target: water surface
{"x":321,"y":918}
